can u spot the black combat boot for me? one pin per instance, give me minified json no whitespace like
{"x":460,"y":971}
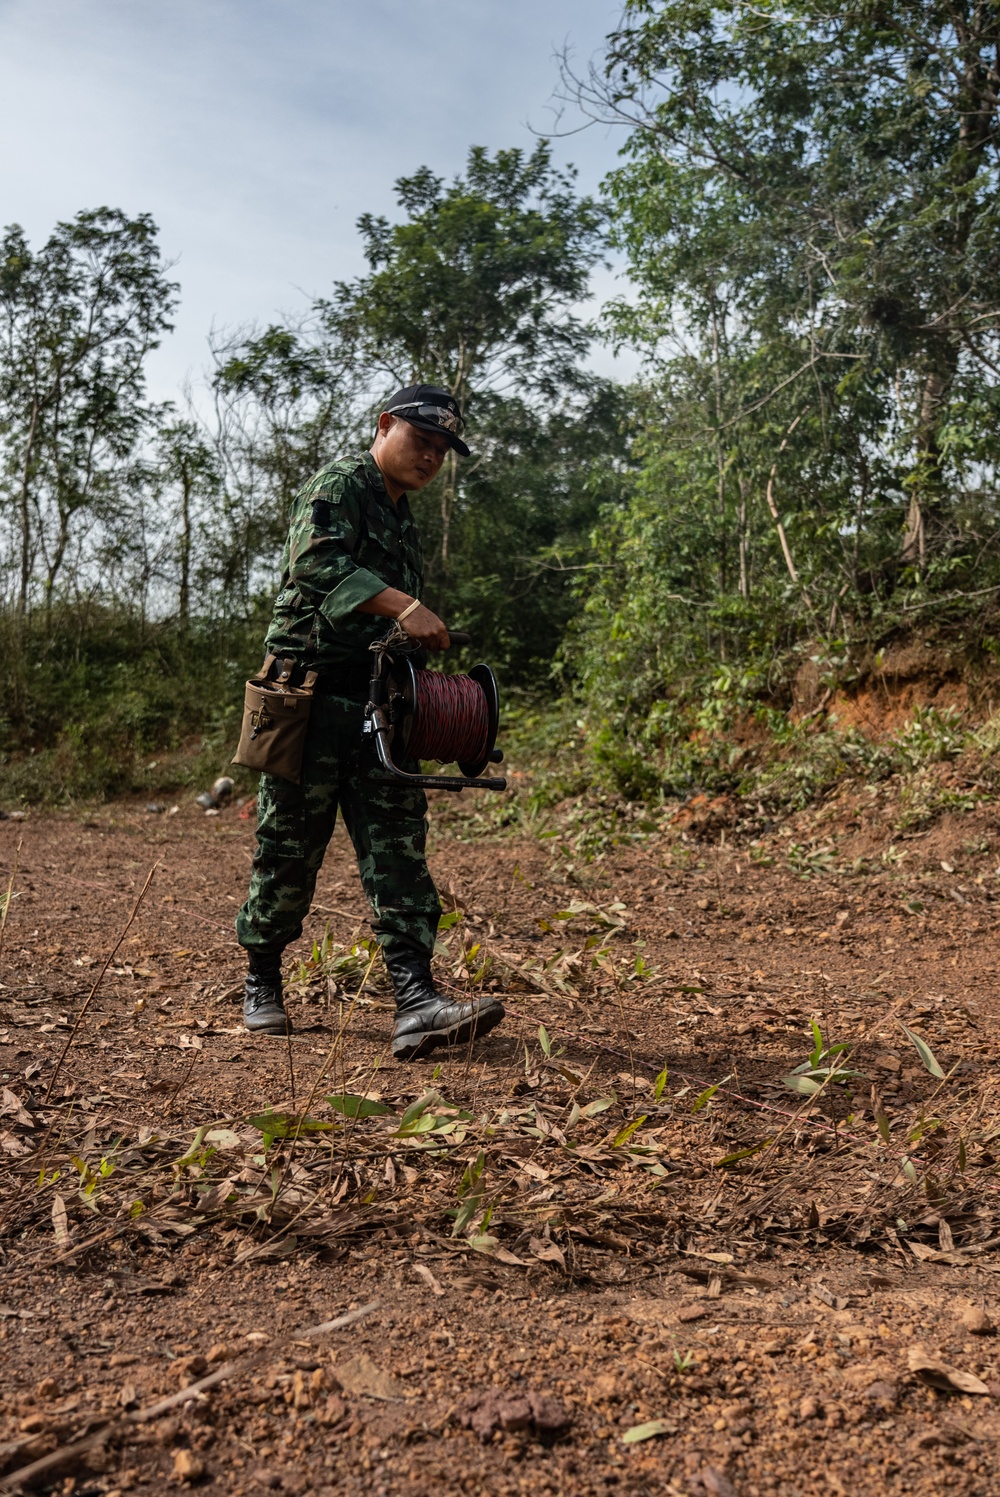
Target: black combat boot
{"x":425,"y":1018}
{"x":263,"y":996}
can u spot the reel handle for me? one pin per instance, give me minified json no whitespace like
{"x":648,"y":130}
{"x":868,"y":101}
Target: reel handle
{"x":457,"y":637}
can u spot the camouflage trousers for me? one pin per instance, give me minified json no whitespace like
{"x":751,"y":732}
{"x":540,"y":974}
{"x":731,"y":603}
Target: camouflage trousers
{"x":384,"y":817}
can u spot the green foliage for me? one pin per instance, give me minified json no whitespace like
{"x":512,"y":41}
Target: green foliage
{"x":357,"y":1107}
{"x":474,"y":288}
{"x":519,"y":545}
{"x":808,"y":203}
{"x":823,"y":1067}
{"x":90,"y":693}
{"x":275,"y":1125}
{"x":78,"y":318}
{"x":927,"y":1056}
{"x":474,"y":291}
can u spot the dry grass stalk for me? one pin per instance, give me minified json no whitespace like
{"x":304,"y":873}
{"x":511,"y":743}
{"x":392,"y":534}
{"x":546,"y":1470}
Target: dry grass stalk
{"x":10,"y":891}
{"x":239,"y":1365}
{"x":90,"y":996}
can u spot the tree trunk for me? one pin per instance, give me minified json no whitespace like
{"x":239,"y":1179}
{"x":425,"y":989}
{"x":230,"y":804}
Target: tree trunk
{"x":24,"y":513}
{"x":741,"y":522}
{"x":720,"y":460}
{"x":926,"y":509}
{"x":772,"y":506}
{"x":184,"y":595}
{"x":448,"y":491}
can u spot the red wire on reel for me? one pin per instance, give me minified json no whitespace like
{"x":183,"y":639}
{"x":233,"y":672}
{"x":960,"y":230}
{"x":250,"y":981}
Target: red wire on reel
{"x":450,"y":719}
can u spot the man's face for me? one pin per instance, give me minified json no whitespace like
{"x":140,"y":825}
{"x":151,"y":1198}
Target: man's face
{"x":408,"y":456}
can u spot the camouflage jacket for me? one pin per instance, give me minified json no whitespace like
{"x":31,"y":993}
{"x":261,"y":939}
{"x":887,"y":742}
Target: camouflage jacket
{"x":346,"y":542}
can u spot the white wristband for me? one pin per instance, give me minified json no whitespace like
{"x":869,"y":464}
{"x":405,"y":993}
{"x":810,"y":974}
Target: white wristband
{"x":407,"y":611}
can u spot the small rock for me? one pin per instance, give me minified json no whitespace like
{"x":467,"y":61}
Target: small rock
{"x":34,"y":1424}
{"x":154,"y":808}
{"x":128,"y":1397}
{"x":715,"y":1483}
{"x":189,"y":1369}
{"x":551,"y":1416}
{"x":218,"y":1353}
{"x":188,"y":1466}
{"x":538,"y":1413}
{"x":692,"y":1312}
{"x":809,"y":1407}
{"x":122,"y":1359}
{"x":269,"y":1480}
{"x":976,"y":1320}
{"x":885,"y":1395}
{"x":333,"y":1410}
{"x":165,"y":1431}
{"x":47,"y":1388}
{"x":514,"y":1415}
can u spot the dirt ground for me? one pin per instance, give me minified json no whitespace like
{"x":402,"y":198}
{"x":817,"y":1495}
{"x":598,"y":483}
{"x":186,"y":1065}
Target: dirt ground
{"x":611,"y":1250}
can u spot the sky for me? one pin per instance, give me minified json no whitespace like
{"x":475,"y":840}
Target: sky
{"x":256,"y":131}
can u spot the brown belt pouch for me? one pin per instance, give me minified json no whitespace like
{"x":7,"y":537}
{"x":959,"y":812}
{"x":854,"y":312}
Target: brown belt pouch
{"x":275,"y":720}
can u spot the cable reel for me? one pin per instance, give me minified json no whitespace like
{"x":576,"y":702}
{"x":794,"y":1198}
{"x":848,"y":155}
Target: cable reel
{"x":416,"y":713}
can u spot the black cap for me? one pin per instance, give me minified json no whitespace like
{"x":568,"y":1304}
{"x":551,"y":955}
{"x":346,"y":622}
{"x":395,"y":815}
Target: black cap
{"x":432,"y":409}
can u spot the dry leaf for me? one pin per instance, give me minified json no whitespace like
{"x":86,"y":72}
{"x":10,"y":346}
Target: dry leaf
{"x":957,"y":1258}
{"x":11,"y":1106}
{"x":939,"y":1375}
{"x":834,"y":1301}
{"x":504,"y":1255}
{"x":548,"y":1252}
{"x":648,"y":1431}
{"x":60,"y":1221}
{"x":428,"y":1277}
{"x":217,"y":1196}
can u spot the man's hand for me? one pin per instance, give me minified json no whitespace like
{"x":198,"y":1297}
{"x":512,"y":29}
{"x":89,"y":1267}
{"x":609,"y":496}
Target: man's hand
{"x":422,"y":625}
{"x":427,"y":629}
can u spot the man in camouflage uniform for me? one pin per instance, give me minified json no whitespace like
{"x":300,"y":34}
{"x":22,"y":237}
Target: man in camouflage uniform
{"x":351,"y":564}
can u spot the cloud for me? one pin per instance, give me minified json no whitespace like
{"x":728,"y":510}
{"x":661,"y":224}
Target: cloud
{"x":256,"y":131}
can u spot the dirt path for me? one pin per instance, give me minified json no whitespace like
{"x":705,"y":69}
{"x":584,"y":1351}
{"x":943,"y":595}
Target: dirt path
{"x":752,"y":1268}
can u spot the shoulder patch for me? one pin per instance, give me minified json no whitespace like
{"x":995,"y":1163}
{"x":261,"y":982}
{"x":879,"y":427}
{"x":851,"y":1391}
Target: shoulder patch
{"x":322,"y":514}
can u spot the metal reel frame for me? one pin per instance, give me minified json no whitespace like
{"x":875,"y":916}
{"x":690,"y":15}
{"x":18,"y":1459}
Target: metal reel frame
{"x":389,"y":716}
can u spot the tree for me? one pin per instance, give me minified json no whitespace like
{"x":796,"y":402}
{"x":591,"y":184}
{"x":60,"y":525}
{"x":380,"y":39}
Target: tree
{"x":523,"y":520}
{"x":831,"y":176}
{"x":286,"y":400}
{"x":474,"y":291}
{"x":78,"y":319}
{"x":187,"y":467}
